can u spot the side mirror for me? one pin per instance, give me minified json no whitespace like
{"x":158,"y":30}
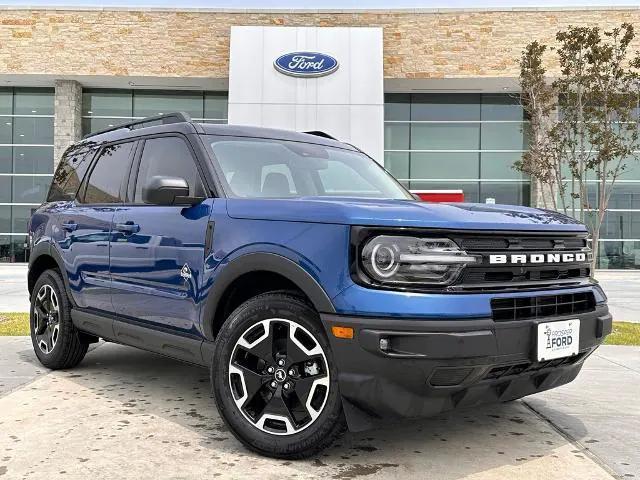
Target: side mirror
{"x":161,"y":190}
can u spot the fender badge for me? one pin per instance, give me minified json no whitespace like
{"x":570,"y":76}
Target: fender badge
{"x":185,"y":272}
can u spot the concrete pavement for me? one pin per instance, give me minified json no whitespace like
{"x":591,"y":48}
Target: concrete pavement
{"x":13,"y":288}
{"x":125,"y":413}
{"x":622,"y":288}
{"x":600,"y":409}
{"x":18,"y":364}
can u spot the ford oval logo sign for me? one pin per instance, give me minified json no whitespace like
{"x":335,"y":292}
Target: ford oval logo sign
{"x":306,"y":64}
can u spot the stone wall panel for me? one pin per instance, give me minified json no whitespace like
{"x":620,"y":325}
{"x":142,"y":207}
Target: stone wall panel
{"x":454,"y":44}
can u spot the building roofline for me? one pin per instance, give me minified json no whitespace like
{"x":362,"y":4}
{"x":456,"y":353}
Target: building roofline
{"x":318,"y":10}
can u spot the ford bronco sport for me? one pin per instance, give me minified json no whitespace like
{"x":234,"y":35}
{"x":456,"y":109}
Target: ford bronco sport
{"x":317,"y":290}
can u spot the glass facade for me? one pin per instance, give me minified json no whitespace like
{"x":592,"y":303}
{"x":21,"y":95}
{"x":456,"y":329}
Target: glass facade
{"x":106,"y":108}
{"x":26,"y":163}
{"x":620,"y":231}
{"x":468,"y":141}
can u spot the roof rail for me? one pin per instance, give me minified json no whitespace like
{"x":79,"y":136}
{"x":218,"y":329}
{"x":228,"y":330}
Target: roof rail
{"x":319,"y":133}
{"x":164,"y":119}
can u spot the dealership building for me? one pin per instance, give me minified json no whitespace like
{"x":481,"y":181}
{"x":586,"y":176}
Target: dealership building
{"x":430,"y":94}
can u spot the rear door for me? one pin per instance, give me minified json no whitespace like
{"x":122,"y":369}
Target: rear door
{"x":89,"y":226}
{"x":65,"y":186}
{"x":157,"y":252}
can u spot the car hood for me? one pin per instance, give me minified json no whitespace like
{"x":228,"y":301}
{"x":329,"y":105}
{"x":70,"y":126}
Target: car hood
{"x":402,"y":213}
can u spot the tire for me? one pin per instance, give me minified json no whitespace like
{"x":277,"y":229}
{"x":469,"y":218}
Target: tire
{"x":264,"y":421}
{"x":55,"y":339}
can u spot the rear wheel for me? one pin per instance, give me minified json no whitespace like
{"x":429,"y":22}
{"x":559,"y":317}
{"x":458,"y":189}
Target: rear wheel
{"x":274,"y":380}
{"x":55,"y":339}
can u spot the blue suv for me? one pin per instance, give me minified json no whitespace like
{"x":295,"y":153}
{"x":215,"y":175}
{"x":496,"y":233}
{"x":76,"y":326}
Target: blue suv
{"x":317,"y":290}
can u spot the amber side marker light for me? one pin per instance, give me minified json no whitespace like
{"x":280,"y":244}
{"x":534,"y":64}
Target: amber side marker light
{"x":342,"y":332}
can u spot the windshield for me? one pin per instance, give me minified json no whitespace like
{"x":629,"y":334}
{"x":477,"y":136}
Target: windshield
{"x":267,"y":168}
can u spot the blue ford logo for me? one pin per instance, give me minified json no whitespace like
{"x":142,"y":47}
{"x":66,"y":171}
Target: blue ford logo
{"x":306,"y":64}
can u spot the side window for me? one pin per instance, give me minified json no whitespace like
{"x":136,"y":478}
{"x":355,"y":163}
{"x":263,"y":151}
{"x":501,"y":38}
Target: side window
{"x":170,"y":157}
{"x":108,"y":174}
{"x":69,"y":174}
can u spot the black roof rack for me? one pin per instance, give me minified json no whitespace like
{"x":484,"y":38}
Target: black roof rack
{"x":164,"y":119}
{"x":318,"y":133}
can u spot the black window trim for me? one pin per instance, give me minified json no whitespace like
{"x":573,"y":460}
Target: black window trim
{"x":129,"y":199}
{"x":79,"y":200}
{"x":211,"y":180}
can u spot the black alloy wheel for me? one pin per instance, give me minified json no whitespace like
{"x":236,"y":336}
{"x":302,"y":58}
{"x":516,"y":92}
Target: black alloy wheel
{"x":274,"y":380}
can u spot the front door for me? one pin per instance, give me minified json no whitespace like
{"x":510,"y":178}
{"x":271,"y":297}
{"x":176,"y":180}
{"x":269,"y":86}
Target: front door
{"x":157,"y":252}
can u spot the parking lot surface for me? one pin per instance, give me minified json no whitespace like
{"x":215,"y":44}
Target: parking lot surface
{"x":125,"y":413}
{"x":13,"y":288}
{"x":623,"y":290}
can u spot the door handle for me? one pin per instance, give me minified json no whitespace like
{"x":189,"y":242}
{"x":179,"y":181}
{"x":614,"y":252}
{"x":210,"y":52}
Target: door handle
{"x":70,"y":226}
{"x":128,"y":227}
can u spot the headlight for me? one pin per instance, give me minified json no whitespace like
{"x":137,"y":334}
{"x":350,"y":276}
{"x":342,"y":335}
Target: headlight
{"x":390,"y":259}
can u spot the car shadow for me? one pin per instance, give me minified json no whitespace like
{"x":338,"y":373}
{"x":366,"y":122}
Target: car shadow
{"x":455,"y":445}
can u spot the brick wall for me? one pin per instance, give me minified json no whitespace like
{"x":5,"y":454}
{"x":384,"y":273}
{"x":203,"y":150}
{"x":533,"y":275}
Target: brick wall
{"x":196,"y":44}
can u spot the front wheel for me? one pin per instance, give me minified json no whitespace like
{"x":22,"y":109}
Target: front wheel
{"x":274,"y":380}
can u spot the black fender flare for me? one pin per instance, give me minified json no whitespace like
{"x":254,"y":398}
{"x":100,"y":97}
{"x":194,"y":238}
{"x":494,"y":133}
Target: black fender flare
{"x":265,"y":262}
{"x":47,"y":249}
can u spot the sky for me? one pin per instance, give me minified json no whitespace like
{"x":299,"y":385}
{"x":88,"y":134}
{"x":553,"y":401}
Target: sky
{"x":319,"y":4}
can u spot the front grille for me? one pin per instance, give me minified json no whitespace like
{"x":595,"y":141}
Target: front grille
{"x":523,"y":242}
{"x":488,"y":276}
{"x":521,"y":308}
{"x":506,"y":274}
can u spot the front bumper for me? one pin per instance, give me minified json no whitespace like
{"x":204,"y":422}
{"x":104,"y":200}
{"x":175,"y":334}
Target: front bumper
{"x":431,"y":366}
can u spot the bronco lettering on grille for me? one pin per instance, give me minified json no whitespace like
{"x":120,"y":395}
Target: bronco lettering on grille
{"x":539,"y":258}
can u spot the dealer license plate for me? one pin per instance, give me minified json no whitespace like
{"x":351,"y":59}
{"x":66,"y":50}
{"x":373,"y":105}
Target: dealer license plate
{"x":558,"y":339}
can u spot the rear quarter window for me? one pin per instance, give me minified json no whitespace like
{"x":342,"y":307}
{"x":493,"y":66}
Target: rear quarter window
{"x":69,"y":174}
